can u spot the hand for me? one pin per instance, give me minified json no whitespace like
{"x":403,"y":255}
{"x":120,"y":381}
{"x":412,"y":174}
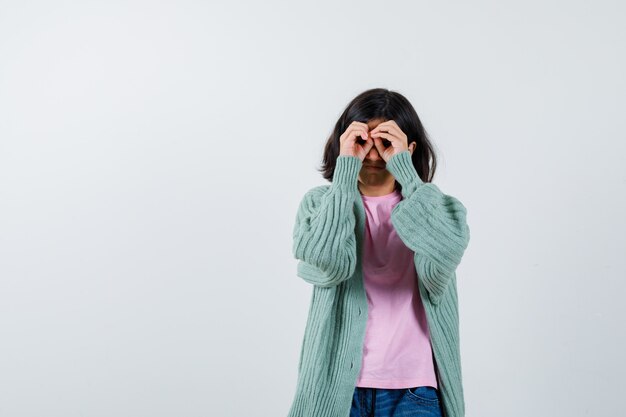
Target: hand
{"x":348,"y":144}
{"x":391,"y":131}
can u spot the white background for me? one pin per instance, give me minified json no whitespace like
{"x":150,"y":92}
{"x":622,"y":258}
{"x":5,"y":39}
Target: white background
{"x":153,"y":154}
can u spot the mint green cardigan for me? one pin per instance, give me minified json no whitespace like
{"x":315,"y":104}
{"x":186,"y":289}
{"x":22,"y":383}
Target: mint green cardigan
{"x":328,"y":240}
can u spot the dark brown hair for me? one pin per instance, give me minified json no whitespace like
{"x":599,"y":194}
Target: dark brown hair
{"x":380,"y":103}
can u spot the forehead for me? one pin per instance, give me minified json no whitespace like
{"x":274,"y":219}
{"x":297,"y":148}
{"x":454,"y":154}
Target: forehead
{"x":374,"y":122}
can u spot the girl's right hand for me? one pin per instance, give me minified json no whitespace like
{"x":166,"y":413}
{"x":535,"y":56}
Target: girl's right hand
{"x":348,"y":141}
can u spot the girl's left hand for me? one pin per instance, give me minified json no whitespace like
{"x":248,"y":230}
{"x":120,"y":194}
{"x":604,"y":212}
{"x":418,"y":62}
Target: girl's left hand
{"x":391,"y":131}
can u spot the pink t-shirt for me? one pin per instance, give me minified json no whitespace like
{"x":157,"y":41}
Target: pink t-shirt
{"x":397,"y":351}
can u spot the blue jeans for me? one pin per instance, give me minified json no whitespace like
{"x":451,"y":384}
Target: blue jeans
{"x":403,"y":402}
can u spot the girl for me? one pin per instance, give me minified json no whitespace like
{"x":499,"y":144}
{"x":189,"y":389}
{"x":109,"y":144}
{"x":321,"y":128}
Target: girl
{"x":380,"y":245}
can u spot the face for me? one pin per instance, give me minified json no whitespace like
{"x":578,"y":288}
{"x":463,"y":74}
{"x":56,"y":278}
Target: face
{"x":373,"y":171}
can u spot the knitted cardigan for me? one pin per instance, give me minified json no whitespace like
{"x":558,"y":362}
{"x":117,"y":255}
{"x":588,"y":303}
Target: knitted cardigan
{"x":327,"y":241}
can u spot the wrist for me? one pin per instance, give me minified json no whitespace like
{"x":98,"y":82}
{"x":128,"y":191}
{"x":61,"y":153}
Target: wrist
{"x":346,"y":174}
{"x":401,"y":167}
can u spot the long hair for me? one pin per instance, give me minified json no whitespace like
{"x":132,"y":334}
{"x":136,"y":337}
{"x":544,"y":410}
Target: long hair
{"x":381,"y":103}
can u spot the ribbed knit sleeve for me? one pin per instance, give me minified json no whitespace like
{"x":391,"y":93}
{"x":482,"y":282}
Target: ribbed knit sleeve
{"x":323,"y":236}
{"x":430,"y":223}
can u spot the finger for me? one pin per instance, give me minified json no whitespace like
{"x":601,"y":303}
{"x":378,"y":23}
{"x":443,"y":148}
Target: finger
{"x":382,"y":125}
{"x":362,"y":150}
{"x":360,"y":132}
{"x":378,"y":145}
{"x":391,"y":123}
{"x":359,"y":125}
{"x":398,"y":140}
{"x":385,"y":135}
{"x":391,"y":128}
{"x":369,"y":144}
{"x":394,"y":141}
{"x":352,"y":133}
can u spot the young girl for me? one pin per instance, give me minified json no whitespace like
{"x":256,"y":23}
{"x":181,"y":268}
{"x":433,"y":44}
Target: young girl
{"x":380,"y":245}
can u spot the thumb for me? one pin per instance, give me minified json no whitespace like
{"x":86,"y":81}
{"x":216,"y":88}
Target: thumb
{"x":369,"y":143}
{"x":379,"y":146}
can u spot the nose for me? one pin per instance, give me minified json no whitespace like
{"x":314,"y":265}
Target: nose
{"x":373,"y":155}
